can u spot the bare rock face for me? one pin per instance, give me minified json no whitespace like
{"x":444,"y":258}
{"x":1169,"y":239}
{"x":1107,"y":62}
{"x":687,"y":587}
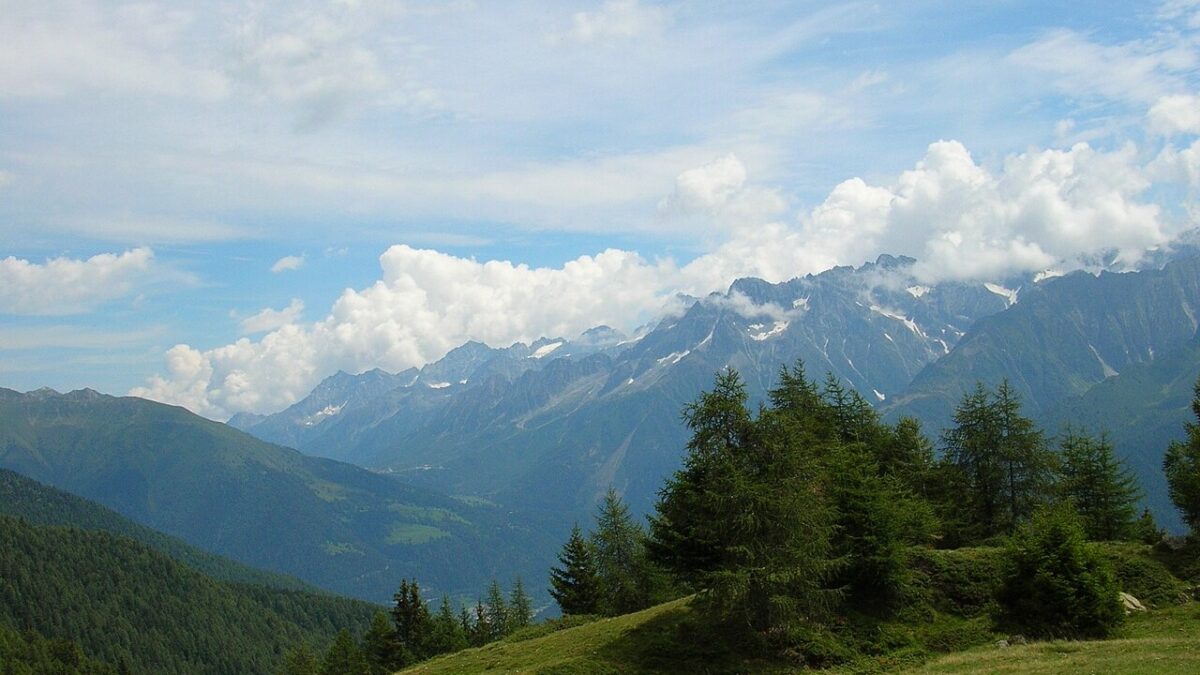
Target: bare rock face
{"x":1131,"y":603}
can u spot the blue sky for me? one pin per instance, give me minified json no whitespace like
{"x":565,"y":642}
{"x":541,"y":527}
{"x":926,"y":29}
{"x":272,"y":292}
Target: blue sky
{"x":157,"y":160}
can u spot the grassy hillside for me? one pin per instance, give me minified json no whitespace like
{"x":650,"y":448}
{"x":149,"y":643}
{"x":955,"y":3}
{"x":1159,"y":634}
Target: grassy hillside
{"x":945,"y":629}
{"x":134,"y":607}
{"x":40,"y":504}
{"x":1162,"y":642}
{"x":331,"y":524}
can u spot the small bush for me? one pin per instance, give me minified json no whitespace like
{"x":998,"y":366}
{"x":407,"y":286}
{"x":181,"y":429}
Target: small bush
{"x":1055,"y":584}
{"x":961,"y":582}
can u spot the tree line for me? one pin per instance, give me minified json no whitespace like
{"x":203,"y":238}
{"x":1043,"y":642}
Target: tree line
{"x":787,"y":519}
{"x":410,"y":633}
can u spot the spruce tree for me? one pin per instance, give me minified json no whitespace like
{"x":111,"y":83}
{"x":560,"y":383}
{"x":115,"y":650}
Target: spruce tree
{"x":618,"y":547}
{"x":301,"y":660}
{"x":575,"y":586}
{"x":1182,"y":467}
{"x":412,"y":621}
{"x":381,"y":647}
{"x":1146,"y":530}
{"x":344,"y":657}
{"x":744,"y":522}
{"x":497,"y":612}
{"x":1002,"y":458}
{"x":520,"y":607}
{"x":446,"y":633}
{"x":1103,"y":492}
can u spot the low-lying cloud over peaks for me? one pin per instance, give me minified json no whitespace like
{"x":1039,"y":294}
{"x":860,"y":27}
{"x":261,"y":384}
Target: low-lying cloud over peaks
{"x":1053,"y":208}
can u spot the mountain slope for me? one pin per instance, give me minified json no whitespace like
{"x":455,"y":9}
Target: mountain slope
{"x":551,"y":425}
{"x":328,"y":523}
{"x":1143,"y":409}
{"x":1064,"y":337}
{"x":39,"y":504}
{"x":134,"y":607}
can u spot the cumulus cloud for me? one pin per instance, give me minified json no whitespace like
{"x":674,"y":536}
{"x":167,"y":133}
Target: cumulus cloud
{"x":288,"y":262}
{"x":70,"y":285}
{"x":272,"y":319}
{"x":615,"y":20}
{"x":424,"y":304}
{"x":1179,"y":114}
{"x":960,"y":219}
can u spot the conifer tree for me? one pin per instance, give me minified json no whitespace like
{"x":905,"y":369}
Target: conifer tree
{"x":380,"y":646}
{"x":520,"y":607}
{"x":482,"y":626}
{"x":301,"y":660}
{"x":412,"y":621}
{"x":497,"y":612}
{"x":576,"y":586}
{"x":344,"y":657}
{"x":1182,"y":467}
{"x":447,"y":633}
{"x":618,"y":547}
{"x":1103,"y":492}
{"x":744,"y":521}
{"x":1146,"y":530}
{"x":1002,"y":458}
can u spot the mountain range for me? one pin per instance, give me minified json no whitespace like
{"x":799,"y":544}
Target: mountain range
{"x":549,"y":426}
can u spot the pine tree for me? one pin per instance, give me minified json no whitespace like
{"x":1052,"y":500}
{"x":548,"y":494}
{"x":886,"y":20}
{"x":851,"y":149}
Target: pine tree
{"x":576,"y":586}
{"x":412,"y":621}
{"x":520,"y":607}
{"x":1028,"y":465}
{"x":446,"y":633}
{"x":1002,"y":458}
{"x":1182,"y":467}
{"x":482,"y":627}
{"x":744,"y":521}
{"x":1103,"y":492}
{"x":497,"y":612}
{"x":381,"y":647}
{"x":344,"y":657}
{"x":1146,"y":530}
{"x":301,"y":660}
{"x":617,"y":544}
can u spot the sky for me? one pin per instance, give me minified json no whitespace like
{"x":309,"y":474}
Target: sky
{"x":218,"y":204}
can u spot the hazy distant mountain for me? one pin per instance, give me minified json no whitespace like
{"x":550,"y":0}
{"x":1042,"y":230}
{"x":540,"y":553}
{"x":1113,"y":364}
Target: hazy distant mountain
{"x":552,"y":424}
{"x":328,"y":523}
{"x":1065,"y":336}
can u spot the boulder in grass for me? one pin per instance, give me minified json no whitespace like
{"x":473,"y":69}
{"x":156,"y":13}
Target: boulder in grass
{"x":1131,"y":603}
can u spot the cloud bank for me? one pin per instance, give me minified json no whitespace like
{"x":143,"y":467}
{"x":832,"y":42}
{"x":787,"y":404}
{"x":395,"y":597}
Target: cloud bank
{"x":963,"y":221}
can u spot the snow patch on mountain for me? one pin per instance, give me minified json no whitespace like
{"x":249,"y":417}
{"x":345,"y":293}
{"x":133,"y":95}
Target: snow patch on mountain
{"x":545,"y":350}
{"x":757,"y":332}
{"x":1008,"y":293}
{"x":320,"y":416}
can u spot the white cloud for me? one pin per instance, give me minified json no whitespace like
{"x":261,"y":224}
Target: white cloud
{"x":1179,"y":114}
{"x":272,"y":319}
{"x":615,"y":20}
{"x":958,"y":218}
{"x":1139,"y":71}
{"x":69,"y":285}
{"x":288,"y":262}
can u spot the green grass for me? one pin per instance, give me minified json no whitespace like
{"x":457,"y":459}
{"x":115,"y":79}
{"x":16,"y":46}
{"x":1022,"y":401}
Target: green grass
{"x":1163,"y":641}
{"x":652,"y":641}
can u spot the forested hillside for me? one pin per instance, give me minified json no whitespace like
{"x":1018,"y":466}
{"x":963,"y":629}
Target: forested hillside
{"x":143,"y":612}
{"x":40,"y":504}
{"x":331,"y":524}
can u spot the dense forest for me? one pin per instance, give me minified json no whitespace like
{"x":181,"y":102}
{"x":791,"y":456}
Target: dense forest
{"x":141,"y":611}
